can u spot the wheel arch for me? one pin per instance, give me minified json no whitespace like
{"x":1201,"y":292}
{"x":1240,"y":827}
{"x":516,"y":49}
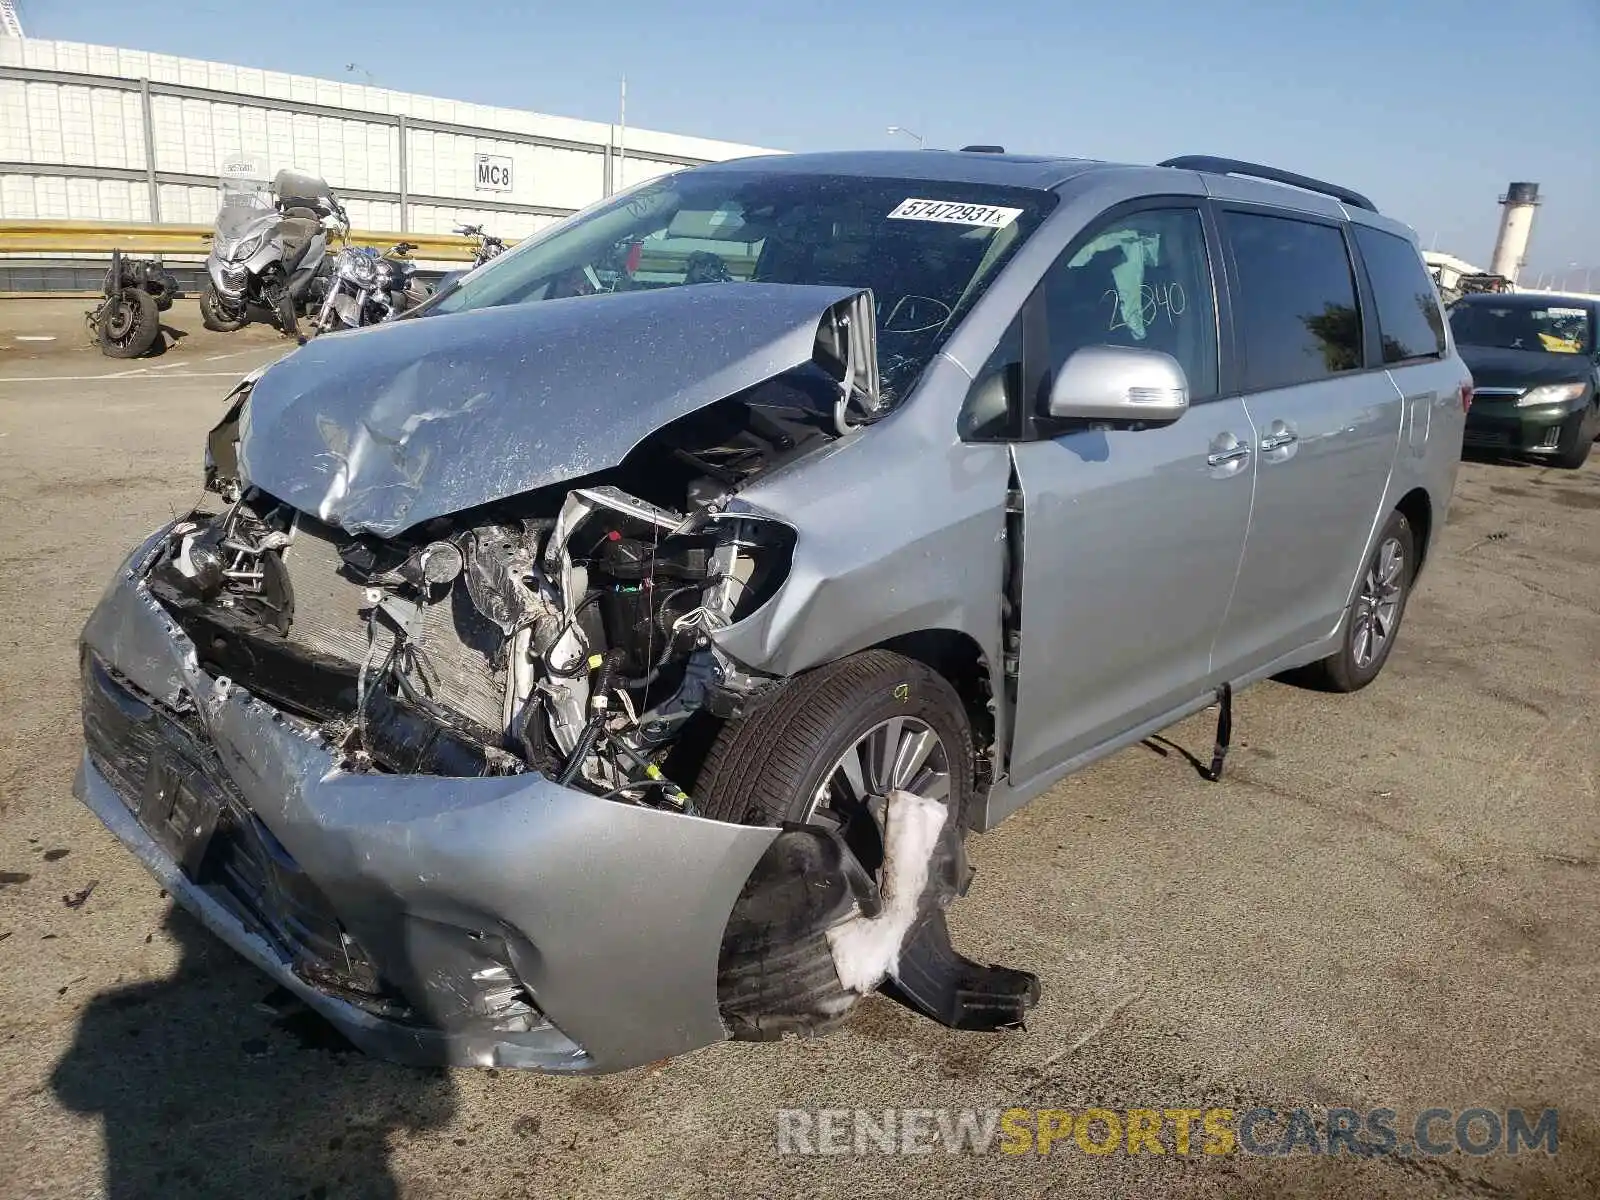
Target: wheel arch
{"x":960,"y":660}
{"x":1417,"y":508}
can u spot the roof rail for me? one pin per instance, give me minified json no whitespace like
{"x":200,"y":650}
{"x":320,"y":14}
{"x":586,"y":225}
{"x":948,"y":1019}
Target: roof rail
{"x":983,"y":149}
{"x":1213,"y":165}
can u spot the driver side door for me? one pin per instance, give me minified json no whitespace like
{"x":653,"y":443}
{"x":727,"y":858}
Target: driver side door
{"x":1132,"y":538}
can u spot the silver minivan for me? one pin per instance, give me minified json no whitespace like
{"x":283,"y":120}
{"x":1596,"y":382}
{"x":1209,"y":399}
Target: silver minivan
{"x":613,"y":656}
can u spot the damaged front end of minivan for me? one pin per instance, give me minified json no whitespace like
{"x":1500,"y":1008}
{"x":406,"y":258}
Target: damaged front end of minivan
{"x":411,"y":710}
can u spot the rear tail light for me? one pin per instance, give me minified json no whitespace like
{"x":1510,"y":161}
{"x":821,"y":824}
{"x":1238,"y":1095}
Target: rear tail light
{"x":1466,"y":396}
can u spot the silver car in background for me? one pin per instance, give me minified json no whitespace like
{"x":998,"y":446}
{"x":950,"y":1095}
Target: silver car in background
{"x":611,"y":656}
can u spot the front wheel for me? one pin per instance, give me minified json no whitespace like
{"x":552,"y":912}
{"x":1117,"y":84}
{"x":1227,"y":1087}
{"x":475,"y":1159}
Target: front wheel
{"x":1575,"y":454}
{"x":215,"y":315}
{"x":831,"y":745}
{"x":1374,"y":620}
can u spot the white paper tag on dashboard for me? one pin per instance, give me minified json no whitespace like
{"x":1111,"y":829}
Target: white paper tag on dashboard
{"x":950,"y":212}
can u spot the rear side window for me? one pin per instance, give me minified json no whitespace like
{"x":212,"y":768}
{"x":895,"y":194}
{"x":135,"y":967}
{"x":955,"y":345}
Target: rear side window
{"x":1296,"y":304}
{"x":1409,"y":319}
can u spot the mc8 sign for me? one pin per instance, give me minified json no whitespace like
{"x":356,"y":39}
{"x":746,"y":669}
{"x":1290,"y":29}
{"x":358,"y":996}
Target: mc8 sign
{"x":493,"y":173}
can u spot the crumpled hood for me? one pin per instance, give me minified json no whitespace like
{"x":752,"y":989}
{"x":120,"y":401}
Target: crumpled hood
{"x":383,"y":428}
{"x":1492,"y":366}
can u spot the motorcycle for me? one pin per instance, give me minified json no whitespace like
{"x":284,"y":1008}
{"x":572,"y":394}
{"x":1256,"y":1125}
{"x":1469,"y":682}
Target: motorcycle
{"x":486,"y":245}
{"x":367,"y":288}
{"x":269,"y":251}
{"x":127,"y":321}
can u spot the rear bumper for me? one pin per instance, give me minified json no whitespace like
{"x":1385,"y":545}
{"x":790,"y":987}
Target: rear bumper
{"x":503,"y":921}
{"x":1500,"y":425}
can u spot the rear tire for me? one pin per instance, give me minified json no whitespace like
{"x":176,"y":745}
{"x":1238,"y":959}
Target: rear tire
{"x":1374,"y":620}
{"x":784,"y":761}
{"x":214,"y":315}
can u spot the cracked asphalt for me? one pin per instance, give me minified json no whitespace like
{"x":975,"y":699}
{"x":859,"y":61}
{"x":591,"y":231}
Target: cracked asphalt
{"x":1391,"y":900}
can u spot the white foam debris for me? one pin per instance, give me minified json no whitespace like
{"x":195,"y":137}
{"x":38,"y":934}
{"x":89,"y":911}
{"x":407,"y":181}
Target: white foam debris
{"x":866,"y":950}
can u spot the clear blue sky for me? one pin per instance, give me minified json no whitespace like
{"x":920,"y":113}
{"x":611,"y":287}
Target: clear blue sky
{"x":1429,"y":106}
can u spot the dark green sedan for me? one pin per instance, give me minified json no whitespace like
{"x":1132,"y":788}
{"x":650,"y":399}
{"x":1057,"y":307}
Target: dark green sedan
{"x":1535,"y":373}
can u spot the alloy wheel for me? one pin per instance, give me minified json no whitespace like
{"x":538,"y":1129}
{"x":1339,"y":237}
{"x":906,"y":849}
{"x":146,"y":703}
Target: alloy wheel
{"x":1378,"y":604}
{"x":899,"y":754}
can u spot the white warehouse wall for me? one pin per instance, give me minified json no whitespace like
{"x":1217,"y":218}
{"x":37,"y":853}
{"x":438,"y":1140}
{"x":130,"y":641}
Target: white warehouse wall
{"x":88,"y":139}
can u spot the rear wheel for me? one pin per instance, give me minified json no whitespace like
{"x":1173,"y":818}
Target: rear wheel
{"x":283,"y":307}
{"x":831,"y":744}
{"x":1374,"y":620}
{"x":130,"y":323}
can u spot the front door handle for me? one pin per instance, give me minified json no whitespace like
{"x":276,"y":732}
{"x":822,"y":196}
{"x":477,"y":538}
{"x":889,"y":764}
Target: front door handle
{"x":1277,"y":441}
{"x":1221,"y":458}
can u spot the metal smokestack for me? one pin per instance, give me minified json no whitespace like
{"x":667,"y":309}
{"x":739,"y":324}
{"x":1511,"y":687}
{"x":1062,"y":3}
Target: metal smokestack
{"x":1516,"y":223}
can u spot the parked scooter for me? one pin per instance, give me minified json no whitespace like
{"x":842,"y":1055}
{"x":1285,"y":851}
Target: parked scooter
{"x":127,"y":322}
{"x":367,"y":288}
{"x":268,"y":250}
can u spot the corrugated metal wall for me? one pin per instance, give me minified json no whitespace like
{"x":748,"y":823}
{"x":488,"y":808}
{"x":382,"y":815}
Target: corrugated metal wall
{"x":74,"y":145}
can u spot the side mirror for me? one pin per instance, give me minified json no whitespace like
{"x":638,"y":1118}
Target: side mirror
{"x":1121,"y":384}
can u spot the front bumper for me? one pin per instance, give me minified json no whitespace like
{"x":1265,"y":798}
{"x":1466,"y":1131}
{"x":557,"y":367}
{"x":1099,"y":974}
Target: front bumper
{"x":1501,"y":425}
{"x":230,"y":279}
{"x":503,"y":921}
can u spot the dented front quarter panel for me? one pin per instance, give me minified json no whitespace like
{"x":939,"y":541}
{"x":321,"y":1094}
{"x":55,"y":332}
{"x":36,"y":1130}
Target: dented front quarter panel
{"x":900,"y":530}
{"x":614,"y":914}
{"x":383,"y":428}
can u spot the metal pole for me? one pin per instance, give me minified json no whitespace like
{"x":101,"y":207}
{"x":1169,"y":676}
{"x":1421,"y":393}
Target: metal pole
{"x":622,"y":138}
{"x":405,"y":197}
{"x":150,"y":152}
{"x":606,"y":184}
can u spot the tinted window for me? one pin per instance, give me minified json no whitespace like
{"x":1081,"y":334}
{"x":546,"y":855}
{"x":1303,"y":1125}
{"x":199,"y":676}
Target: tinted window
{"x":1141,"y":280}
{"x":1408,"y":307}
{"x":1296,"y":306}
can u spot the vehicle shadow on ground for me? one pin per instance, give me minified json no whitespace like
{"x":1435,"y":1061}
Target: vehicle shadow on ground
{"x":202,"y":1093}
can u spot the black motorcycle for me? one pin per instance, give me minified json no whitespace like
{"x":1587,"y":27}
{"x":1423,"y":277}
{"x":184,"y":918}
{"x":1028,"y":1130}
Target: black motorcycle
{"x":127,"y":322}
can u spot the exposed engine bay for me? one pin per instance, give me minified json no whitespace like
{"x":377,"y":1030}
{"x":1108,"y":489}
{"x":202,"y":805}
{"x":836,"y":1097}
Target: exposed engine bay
{"x":567,"y":631}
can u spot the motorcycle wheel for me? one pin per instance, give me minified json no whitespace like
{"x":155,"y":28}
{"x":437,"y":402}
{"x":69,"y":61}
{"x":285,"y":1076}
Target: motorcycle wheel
{"x":214,"y":314}
{"x":130,"y":323}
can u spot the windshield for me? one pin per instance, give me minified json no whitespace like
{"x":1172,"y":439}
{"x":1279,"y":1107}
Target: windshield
{"x":235,"y":193}
{"x":1551,"y":329}
{"x":926,"y":249}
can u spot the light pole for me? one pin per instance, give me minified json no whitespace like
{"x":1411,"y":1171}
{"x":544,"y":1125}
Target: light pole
{"x":909,"y":133}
